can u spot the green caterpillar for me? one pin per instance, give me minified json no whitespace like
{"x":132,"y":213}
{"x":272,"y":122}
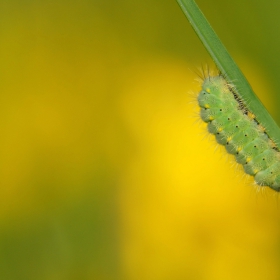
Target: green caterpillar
{"x":239,"y":131}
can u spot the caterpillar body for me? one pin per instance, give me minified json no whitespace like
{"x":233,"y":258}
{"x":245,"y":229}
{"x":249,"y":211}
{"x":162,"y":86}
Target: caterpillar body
{"x":236,"y":128}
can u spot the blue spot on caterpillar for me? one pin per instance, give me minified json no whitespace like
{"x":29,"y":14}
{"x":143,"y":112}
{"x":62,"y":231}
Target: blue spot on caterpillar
{"x":239,"y":131}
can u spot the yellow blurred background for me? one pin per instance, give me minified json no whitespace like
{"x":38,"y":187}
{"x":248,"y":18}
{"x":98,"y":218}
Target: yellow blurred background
{"x":105,"y":172}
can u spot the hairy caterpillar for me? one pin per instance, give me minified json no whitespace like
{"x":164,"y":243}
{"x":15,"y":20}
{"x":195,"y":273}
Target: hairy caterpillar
{"x":239,"y":131}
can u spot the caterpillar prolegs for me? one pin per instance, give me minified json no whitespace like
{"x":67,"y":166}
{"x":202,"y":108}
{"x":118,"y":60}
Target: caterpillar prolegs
{"x":239,"y":131}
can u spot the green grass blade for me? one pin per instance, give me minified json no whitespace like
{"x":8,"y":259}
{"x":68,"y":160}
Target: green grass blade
{"x":228,"y":67}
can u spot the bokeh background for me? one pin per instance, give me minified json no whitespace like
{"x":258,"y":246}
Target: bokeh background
{"x":105,"y":172}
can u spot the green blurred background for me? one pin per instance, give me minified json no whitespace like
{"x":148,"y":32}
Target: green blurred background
{"x":105,"y":173}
